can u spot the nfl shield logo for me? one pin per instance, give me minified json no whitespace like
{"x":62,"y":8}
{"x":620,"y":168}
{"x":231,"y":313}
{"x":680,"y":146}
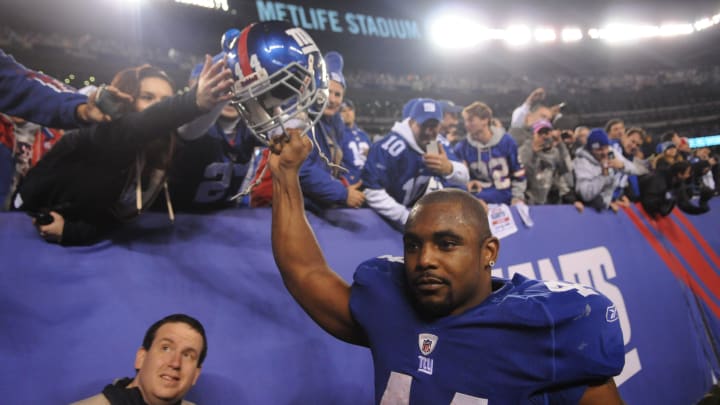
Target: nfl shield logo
{"x":427,"y":343}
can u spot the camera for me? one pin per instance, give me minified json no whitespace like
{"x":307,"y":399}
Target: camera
{"x":108,"y":103}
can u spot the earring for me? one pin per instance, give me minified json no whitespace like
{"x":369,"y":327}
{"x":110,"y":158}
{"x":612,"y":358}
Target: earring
{"x":491,"y":263}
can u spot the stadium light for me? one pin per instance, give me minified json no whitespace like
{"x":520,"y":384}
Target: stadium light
{"x":543,"y":34}
{"x":702,"y":24}
{"x":457,"y":32}
{"x":674,"y":30}
{"x":571,"y":34}
{"x":517,"y":35}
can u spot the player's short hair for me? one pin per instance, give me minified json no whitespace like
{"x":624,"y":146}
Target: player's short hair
{"x":471,"y":207}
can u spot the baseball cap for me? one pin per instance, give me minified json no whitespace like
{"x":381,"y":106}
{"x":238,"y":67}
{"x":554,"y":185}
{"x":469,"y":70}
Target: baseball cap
{"x":597,"y":138}
{"x":540,"y":124}
{"x":425,"y":109}
{"x":448,"y":107}
{"x":408,"y":107}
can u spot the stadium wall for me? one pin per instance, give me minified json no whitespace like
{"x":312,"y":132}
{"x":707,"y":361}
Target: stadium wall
{"x":72,"y":318}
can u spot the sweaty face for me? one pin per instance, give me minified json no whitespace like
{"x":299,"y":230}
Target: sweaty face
{"x":152,"y":90}
{"x":170,"y":368}
{"x":445,"y":261}
{"x":337,"y":92}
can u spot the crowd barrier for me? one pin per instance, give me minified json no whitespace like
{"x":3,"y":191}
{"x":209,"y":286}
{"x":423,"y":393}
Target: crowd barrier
{"x":73,"y":318}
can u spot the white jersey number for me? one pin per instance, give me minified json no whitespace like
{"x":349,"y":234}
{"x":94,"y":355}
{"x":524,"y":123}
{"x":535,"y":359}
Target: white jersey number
{"x":397,"y":392}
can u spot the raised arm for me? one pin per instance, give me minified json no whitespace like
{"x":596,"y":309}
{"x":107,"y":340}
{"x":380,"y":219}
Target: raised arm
{"x":323,"y":294}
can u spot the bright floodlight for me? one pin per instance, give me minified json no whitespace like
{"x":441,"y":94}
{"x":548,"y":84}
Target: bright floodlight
{"x":517,"y":35}
{"x":674,"y":30}
{"x":545,"y":35}
{"x":703,"y":24}
{"x":456,"y":32}
{"x":571,"y":34}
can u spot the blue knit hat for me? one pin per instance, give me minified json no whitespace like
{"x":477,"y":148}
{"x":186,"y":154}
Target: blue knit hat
{"x":597,"y":139}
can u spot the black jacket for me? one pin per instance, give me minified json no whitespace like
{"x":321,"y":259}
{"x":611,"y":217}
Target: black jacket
{"x":659,"y":193}
{"x":85,"y":173}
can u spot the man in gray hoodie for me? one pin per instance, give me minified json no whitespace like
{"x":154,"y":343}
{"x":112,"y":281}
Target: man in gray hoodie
{"x":595,"y":170}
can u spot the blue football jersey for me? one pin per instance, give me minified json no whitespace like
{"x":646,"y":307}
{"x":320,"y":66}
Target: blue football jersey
{"x":496,"y":167}
{"x":206,"y":172}
{"x":355,"y":147}
{"x":319,"y":181}
{"x":393,"y":165}
{"x":529,"y":342}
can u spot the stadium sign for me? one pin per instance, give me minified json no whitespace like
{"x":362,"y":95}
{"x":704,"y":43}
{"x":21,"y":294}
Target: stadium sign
{"x":323,"y":19}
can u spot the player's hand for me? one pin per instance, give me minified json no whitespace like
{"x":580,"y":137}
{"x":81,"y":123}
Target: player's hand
{"x":579,"y":206}
{"x":52,"y":232}
{"x":90,"y":113}
{"x":214,"y":84}
{"x":356,"y":197}
{"x":288,"y":151}
{"x":474,"y":186}
{"x":438,"y":162}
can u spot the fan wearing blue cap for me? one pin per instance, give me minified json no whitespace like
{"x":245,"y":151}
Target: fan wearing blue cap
{"x":401,"y":167}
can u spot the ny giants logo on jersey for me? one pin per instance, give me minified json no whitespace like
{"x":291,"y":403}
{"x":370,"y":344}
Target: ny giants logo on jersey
{"x":426,"y":343}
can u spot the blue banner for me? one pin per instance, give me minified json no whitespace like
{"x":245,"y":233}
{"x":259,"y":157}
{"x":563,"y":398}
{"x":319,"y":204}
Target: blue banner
{"x":73,"y":318}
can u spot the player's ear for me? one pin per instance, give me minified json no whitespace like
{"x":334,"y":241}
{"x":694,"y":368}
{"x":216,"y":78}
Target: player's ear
{"x":489,"y":251}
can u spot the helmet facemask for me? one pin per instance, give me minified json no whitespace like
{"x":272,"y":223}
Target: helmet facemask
{"x":289,"y":98}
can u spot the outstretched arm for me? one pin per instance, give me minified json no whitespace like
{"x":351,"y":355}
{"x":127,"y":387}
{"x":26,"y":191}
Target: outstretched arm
{"x":323,"y":294}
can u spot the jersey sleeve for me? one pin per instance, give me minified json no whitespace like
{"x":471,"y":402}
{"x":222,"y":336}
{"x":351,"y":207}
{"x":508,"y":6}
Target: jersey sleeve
{"x":376,"y":168}
{"x":318,"y":184}
{"x":376,"y":283}
{"x":36,"y":97}
{"x":588,"y":341}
